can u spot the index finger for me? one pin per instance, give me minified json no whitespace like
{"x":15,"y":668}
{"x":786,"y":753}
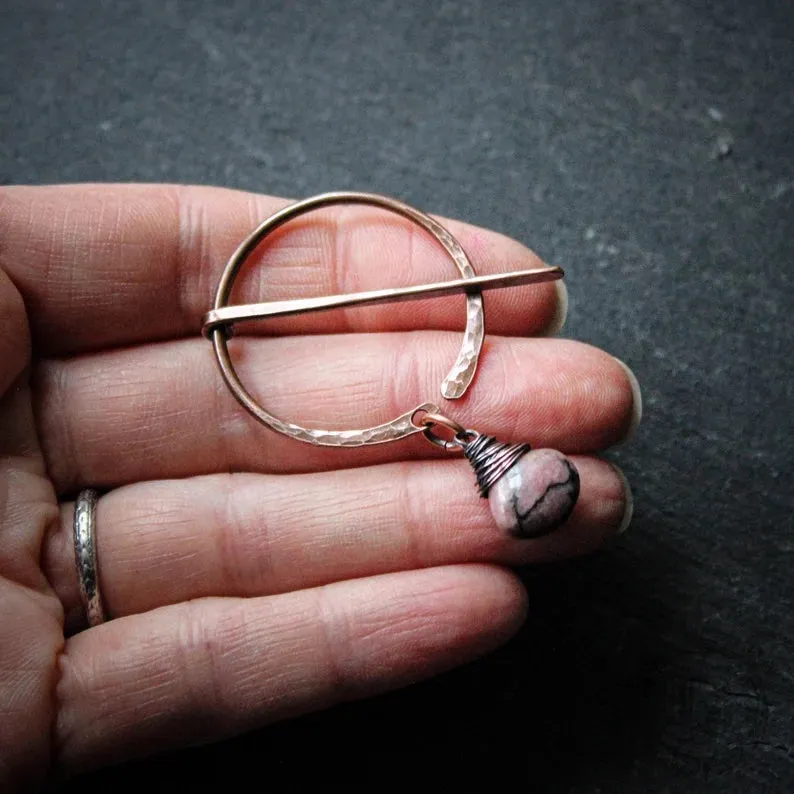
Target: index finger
{"x":102,"y":266}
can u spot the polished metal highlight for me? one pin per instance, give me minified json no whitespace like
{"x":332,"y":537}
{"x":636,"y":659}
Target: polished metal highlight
{"x":218,"y":322}
{"x":430,"y":419}
{"x":85,"y":553}
{"x":225,"y":317}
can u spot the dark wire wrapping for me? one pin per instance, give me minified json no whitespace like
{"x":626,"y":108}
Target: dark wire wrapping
{"x":490,"y":459}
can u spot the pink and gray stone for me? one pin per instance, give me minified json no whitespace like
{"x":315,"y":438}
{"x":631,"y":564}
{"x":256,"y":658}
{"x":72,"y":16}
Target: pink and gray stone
{"x":535,"y":495}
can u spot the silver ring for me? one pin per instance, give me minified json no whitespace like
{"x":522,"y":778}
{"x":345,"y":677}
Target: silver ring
{"x":85,"y":555}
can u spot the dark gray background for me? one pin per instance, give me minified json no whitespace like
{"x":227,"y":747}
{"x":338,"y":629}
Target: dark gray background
{"x":644,"y":144}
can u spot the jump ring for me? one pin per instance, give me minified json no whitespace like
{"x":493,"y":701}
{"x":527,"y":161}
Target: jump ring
{"x":461,"y":436}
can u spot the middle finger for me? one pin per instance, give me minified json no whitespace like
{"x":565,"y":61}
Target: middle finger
{"x":161,"y":411}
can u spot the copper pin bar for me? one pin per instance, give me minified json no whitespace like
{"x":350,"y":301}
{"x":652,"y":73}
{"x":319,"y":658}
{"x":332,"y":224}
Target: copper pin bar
{"x":228,"y":315}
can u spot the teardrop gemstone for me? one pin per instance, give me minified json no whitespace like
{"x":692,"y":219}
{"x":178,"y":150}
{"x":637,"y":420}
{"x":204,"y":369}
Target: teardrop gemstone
{"x":535,"y":495}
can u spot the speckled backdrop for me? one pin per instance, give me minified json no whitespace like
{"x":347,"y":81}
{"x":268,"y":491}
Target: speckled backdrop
{"x":644,"y":144}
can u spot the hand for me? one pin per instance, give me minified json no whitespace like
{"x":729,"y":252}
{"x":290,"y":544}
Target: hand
{"x":251,"y":577}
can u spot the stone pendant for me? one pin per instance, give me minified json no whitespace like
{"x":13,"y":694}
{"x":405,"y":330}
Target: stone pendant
{"x":530,"y":492}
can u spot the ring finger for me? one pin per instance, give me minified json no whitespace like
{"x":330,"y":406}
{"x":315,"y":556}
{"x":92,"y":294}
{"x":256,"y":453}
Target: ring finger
{"x":251,"y":535}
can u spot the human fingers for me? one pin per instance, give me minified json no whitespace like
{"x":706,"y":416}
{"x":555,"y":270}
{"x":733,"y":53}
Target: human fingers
{"x":161,"y":411}
{"x":251,"y":535}
{"x":14,"y":337}
{"x":102,"y":266}
{"x":205,"y":669}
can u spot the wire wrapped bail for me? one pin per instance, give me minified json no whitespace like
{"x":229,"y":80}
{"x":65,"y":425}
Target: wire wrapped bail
{"x":490,"y":459}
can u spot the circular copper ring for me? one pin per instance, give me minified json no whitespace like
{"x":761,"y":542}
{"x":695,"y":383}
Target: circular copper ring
{"x":454,"y":385}
{"x":460,"y":435}
{"x":430,"y":419}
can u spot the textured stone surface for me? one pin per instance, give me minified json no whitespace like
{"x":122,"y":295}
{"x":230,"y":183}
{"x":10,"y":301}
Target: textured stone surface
{"x":535,"y":495}
{"x":593,"y":132}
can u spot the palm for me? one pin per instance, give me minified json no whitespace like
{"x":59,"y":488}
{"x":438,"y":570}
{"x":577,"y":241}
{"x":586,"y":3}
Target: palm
{"x":31,"y":633}
{"x":298,"y":581}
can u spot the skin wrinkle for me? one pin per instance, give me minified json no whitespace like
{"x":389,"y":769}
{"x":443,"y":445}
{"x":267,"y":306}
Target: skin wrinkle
{"x":191,"y":265}
{"x":500,"y":395}
{"x":339,"y":274}
{"x":60,"y":729}
{"x":407,"y":612}
{"x":328,"y":239}
{"x":179,"y":272}
{"x":141,"y":558}
{"x":337,"y":682}
{"x":253,"y":277}
{"x":401,"y":631}
{"x":222,"y":407}
{"x":50,"y":518}
{"x":110,"y":221}
{"x":316,"y":391}
{"x":38,"y":656}
{"x":105,"y":670}
{"x":345,"y":675}
{"x":322,"y":395}
{"x":229,"y":418}
{"x":69,"y":273}
{"x":573,"y":411}
{"x":359,"y":530}
{"x":404,"y":380}
{"x":56,"y":546}
{"x":413,"y":516}
{"x":49,"y":382}
{"x":196,"y":652}
{"x":228,"y":518}
{"x":202,"y":227}
{"x":226,"y":635}
{"x":237,"y":555}
{"x":30,"y":225}
{"x":604,"y":391}
{"x":22,"y":471}
{"x":358,"y":525}
{"x":145,"y":711}
{"x":294,"y":256}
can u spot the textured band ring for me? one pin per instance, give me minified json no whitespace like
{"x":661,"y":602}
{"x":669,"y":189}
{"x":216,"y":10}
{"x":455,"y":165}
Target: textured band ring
{"x":85,"y":553}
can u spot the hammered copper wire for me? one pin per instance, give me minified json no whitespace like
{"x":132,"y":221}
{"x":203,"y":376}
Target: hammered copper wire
{"x":454,"y":385}
{"x":218,"y":321}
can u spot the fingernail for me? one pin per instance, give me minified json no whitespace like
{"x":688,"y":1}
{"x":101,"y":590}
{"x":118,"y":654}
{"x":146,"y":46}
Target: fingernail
{"x":560,"y":310}
{"x":628,"y":510}
{"x":636,"y":413}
